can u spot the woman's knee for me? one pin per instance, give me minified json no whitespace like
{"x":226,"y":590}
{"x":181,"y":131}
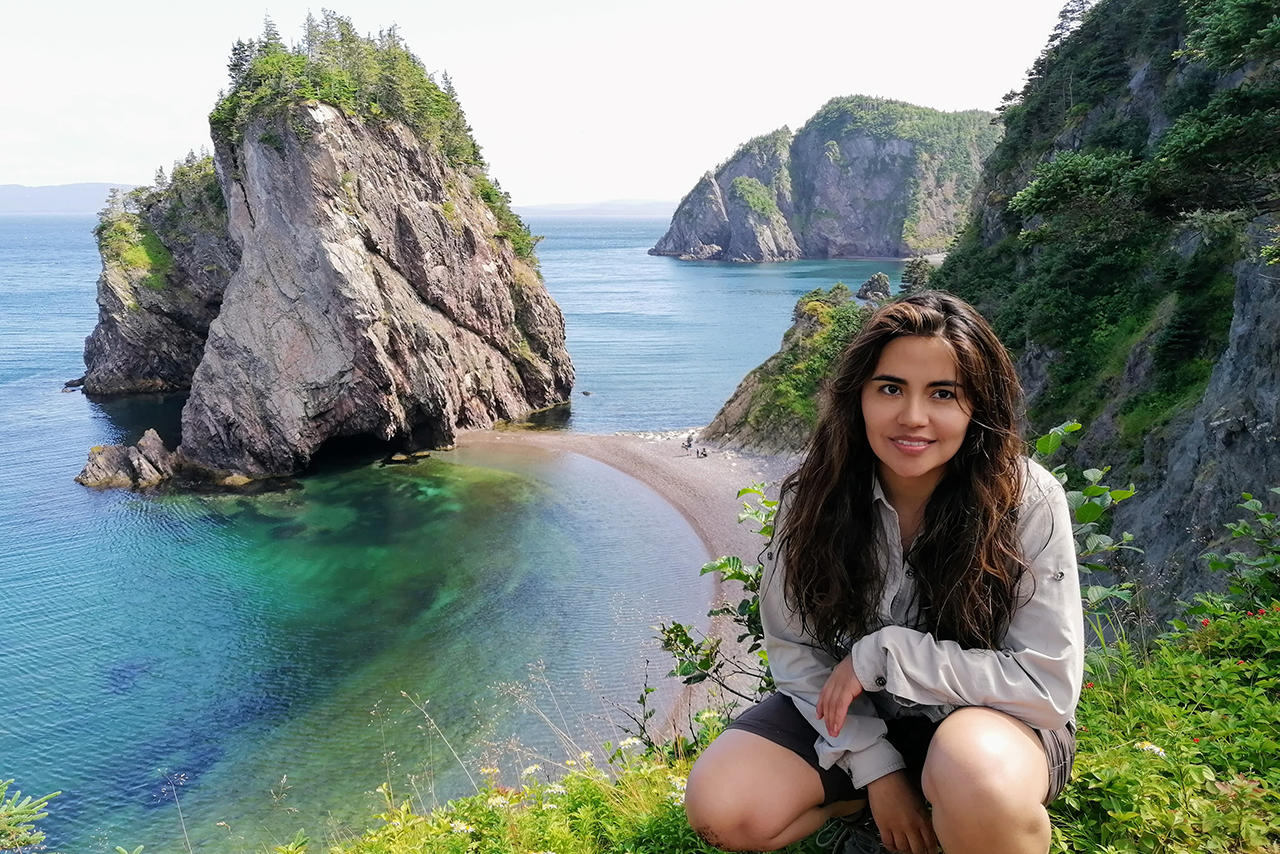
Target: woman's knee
{"x":984,"y":760}
{"x":744,"y":791}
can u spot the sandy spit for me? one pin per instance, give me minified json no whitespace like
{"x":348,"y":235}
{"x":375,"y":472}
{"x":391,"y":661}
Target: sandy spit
{"x":703,"y":489}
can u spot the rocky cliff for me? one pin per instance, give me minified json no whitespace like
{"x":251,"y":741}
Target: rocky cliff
{"x":378,"y":283}
{"x":1117,"y":241}
{"x":166,"y":261}
{"x":863,"y":177}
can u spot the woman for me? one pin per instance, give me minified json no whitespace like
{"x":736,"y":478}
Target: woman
{"x":922,"y":618}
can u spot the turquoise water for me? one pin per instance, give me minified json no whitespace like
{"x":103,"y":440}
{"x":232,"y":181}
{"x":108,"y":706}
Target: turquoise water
{"x":192,"y":651}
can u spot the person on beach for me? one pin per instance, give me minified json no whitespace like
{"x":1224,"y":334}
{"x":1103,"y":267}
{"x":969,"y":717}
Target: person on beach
{"x":921,"y":611}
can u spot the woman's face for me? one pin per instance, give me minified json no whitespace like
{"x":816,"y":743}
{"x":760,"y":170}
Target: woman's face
{"x":916,"y":413}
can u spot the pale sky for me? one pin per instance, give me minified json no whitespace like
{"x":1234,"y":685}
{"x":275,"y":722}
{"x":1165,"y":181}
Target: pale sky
{"x":572,"y":101}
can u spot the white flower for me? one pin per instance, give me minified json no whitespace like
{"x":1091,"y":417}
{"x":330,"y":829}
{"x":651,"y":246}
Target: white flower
{"x":632,"y":741}
{"x":1150,"y":748}
{"x":496,"y":801}
{"x":555,"y":789}
{"x":550,"y":806}
{"x":585,"y":756}
{"x":461,"y":827}
{"x":677,"y":783}
{"x":531,"y":770}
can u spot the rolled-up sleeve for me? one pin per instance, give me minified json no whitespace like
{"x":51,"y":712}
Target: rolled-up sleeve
{"x":800,"y":668}
{"x":1035,"y":676}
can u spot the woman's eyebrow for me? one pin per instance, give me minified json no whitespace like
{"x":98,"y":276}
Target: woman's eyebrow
{"x":900,"y":381}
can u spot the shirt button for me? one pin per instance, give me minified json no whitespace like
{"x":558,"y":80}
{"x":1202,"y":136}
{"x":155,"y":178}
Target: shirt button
{"x":881,"y":682}
{"x":1059,"y":575}
{"x":911,"y":573}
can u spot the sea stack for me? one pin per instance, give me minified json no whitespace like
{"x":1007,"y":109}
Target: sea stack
{"x":382,"y":285}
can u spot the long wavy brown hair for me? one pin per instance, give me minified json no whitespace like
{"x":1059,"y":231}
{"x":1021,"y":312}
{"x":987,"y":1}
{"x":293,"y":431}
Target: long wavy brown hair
{"x":966,"y":556}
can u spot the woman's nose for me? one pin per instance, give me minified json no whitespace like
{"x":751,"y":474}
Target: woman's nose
{"x":913,"y":411}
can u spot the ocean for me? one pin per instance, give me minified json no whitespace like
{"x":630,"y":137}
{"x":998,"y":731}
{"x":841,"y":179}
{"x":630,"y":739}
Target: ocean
{"x":239,"y":667}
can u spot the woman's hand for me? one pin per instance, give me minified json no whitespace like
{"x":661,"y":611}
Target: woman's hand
{"x":841,"y":689}
{"x":901,"y":815}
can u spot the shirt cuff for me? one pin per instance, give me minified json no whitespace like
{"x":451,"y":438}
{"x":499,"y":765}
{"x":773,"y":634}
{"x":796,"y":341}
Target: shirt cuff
{"x":870,"y":663}
{"x":867,"y":766}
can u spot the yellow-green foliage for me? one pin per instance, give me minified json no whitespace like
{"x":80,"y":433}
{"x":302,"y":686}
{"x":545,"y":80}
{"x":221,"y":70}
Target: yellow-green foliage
{"x":790,"y":382}
{"x":125,"y":240}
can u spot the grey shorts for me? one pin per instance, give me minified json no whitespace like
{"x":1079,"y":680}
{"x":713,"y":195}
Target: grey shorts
{"x":778,"y":720}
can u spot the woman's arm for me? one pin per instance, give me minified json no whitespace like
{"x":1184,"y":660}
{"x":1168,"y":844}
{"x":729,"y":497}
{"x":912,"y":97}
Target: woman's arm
{"x":800,"y":668}
{"x":1036,"y":675}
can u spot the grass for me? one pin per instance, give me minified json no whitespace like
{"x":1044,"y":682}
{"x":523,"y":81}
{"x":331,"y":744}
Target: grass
{"x":1177,"y":751}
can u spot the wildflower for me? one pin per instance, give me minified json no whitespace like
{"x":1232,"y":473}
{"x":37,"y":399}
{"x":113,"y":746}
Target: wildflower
{"x":677,"y":783}
{"x":1088,"y":685}
{"x":1261,"y":611}
{"x":1205,"y":621}
{"x":1084,"y":729}
{"x":1241,"y":661}
{"x":489,"y":772}
{"x":585,"y":756}
{"x":461,"y":827}
{"x":496,"y":801}
{"x":631,"y":741}
{"x":555,"y":789}
{"x":1248,"y":613}
{"x":570,"y":763}
{"x":1150,"y":748}
{"x":550,"y":806}
{"x":1196,"y":740}
{"x":531,"y":770}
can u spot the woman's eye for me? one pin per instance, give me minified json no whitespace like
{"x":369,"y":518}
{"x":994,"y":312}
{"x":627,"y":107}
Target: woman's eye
{"x":890,"y":389}
{"x":945,"y":394}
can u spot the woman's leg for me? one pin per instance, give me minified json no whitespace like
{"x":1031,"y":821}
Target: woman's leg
{"x":986,"y":777}
{"x":746,"y":793}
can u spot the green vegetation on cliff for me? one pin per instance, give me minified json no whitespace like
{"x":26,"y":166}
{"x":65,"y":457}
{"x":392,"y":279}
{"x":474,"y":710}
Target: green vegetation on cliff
{"x":755,"y":196}
{"x":1129,"y":235}
{"x":127,"y":241}
{"x":135,"y":228}
{"x":374,"y":79}
{"x":789,"y":382}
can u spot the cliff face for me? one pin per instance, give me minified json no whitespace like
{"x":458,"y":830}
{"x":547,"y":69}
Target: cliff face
{"x":1116,"y":241}
{"x":373,"y":294}
{"x":738,"y":213}
{"x":373,"y":297}
{"x":167,"y":259}
{"x":863,"y":177}
{"x":1228,"y":443}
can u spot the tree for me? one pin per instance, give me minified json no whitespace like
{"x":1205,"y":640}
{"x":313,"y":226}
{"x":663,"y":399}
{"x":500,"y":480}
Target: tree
{"x":915,"y":276}
{"x":1069,"y":18}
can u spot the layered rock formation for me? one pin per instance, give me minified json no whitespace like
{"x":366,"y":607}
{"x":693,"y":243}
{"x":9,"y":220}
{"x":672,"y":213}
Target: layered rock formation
{"x":864,"y":177}
{"x":374,"y":294}
{"x":166,"y":261}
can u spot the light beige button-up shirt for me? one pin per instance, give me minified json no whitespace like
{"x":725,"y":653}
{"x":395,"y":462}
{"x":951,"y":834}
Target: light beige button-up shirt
{"x":1035,"y":675}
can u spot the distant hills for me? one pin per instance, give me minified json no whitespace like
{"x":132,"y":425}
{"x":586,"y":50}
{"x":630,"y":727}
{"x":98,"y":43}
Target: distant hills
{"x":60,"y":198}
{"x":616,"y":207}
